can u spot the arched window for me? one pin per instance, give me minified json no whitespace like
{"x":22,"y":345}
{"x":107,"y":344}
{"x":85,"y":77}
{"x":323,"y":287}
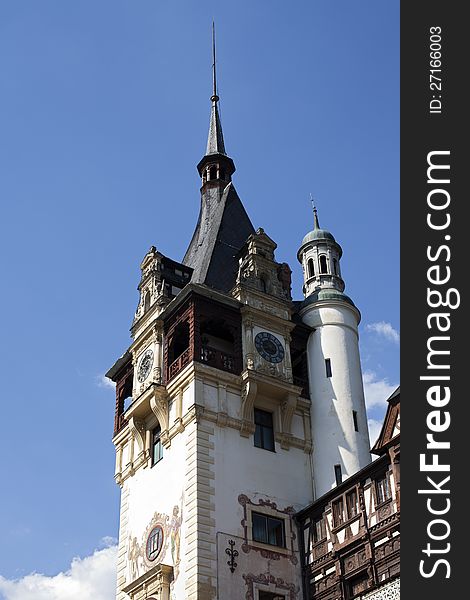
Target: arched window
{"x":146,"y":301}
{"x":310,"y":268}
{"x":262,"y":283}
{"x":335,"y":266}
{"x":213,"y":173}
{"x":323,"y":265}
{"x":221,"y":174}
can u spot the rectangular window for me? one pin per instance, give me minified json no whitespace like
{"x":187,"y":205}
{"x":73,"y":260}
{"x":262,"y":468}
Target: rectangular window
{"x":338,"y":512}
{"x":357,"y":585}
{"x":269,"y":596}
{"x":351,"y":504}
{"x":264,"y":430}
{"x":319,"y":530}
{"x":338,"y":474}
{"x":157,"y":450}
{"x":328,"y":367}
{"x":356,"y":426}
{"x":382,"y":486}
{"x":268,"y":530}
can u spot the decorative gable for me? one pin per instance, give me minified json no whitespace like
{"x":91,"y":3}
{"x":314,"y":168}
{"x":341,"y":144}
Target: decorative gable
{"x":391,"y":426}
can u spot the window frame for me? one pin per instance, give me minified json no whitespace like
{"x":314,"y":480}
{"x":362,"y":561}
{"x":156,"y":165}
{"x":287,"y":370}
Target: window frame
{"x":310,"y":268}
{"x":268,"y":518}
{"x":328,"y":369}
{"x":355,"y":421}
{"x":268,"y":595}
{"x":316,"y":539}
{"x":338,"y":474}
{"x":341,"y":518}
{"x":263,"y":427}
{"x":383,"y":477}
{"x":266,"y":510}
{"x":156,"y":440}
{"x":350,"y":507}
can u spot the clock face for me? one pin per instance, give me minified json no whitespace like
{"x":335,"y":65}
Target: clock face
{"x":269,"y":347}
{"x":145,"y":365}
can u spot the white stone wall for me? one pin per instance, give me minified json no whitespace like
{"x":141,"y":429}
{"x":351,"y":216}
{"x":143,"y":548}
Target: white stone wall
{"x":211,"y":474}
{"x":282,"y":478}
{"x":334,"y":398}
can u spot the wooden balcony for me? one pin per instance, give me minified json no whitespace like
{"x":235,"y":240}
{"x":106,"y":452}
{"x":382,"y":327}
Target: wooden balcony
{"x":179,"y":364}
{"x":217,"y":359}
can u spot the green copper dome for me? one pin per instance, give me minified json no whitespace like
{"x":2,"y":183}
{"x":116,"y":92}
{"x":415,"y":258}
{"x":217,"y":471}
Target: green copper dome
{"x":318,"y":234}
{"x":327,"y":294}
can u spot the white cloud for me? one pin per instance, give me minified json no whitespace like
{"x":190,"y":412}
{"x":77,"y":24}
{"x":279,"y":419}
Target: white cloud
{"x":376,"y":391}
{"x":103,"y":382}
{"x":90,"y":577}
{"x":384,"y":329}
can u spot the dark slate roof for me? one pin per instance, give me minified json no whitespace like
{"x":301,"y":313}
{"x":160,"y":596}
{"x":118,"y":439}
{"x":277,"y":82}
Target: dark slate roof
{"x":222,"y":229}
{"x":215,"y":139}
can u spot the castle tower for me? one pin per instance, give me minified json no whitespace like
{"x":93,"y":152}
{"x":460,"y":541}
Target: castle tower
{"x":339,"y":422}
{"x":212,"y":423}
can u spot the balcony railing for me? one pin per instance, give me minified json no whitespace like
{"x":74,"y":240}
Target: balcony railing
{"x":177,"y":365}
{"x":218,"y":359}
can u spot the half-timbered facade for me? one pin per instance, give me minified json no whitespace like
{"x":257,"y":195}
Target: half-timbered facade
{"x":350,"y":537}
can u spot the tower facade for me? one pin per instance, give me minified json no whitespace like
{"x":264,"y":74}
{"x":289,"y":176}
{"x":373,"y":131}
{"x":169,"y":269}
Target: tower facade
{"x":339,"y":421}
{"x":223,"y":422}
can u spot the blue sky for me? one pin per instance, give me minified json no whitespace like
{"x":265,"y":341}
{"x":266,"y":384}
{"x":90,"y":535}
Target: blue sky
{"x":104,"y":111}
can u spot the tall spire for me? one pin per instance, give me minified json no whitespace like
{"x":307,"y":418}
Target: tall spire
{"x":223,"y":225}
{"x":215,"y":140}
{"x":316,"y":224}
{"x":214,"y":97}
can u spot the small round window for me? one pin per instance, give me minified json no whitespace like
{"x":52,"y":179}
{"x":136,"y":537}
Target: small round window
{"x":154,"y":543}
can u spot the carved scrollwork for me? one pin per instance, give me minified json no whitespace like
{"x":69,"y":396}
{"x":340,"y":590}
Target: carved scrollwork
{"x":159,"y":406}
{"x":138,"y":430}
{"x":248,"y":396}
{"x":288,"y":408}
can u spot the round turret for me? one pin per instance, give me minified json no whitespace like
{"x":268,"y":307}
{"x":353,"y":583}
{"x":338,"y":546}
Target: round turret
{"x":338,"y":413}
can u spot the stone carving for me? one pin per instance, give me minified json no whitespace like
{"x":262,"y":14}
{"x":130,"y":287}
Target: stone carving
{"x":247,"y":397}
{"x":288,"y":408}
{"x":289,"y":590}
{"x":159,"y":406}
{"x":384,"y":511}
{"x":138,"y":431}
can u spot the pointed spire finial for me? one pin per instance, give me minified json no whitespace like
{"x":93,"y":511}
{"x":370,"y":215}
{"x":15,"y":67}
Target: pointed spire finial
{"x":215,"y":141}
{"x":214,"y":97}
{"x":316,"y":224}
